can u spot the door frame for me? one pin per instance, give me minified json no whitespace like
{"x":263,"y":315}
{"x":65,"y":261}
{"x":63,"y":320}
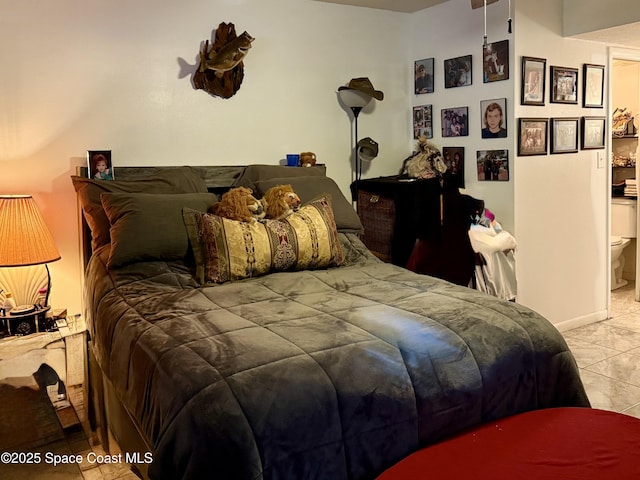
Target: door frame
{"x":633,"y":55}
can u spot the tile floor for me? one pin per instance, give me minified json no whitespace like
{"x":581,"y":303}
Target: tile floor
{"x":607,"y":352}
{"x":78,"y":442}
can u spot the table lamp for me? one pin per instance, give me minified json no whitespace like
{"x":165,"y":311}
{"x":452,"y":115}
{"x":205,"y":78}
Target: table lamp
{"x":24,"y":238}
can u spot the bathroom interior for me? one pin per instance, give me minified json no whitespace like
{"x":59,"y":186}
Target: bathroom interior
{"x":624,"y":147}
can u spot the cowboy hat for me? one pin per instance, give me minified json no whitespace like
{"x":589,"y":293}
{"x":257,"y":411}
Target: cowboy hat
{"x":363,"y":85}
{"x":367,"y":149}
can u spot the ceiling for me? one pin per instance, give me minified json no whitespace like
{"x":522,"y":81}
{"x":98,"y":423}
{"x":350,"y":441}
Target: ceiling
{"x":407,"y":6}
{"x":625,"y":35}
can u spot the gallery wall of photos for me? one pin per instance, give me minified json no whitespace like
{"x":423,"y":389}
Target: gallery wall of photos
{"x":536,"y":136}
{"x":454,"y":121}
{"x":543,"y":135}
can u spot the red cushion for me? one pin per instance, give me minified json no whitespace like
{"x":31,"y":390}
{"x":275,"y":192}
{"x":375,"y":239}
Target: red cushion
{"x":549,"y":444}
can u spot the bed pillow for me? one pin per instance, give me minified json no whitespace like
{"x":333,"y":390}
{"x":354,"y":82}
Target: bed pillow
{"x":227,"y":250}
{"x":255,"y":173}
{"x":148,"y":226}
{"x":308,"y":188}
{"x":174,"y":180}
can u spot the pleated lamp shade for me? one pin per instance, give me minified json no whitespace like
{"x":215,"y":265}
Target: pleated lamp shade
{"x":24,"y":237}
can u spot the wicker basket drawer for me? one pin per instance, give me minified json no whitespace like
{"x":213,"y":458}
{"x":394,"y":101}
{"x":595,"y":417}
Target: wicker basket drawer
{"x":378,"y":217}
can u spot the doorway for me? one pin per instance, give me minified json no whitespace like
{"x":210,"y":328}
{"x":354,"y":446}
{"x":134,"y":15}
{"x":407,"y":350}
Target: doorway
{"x":624,"y":97}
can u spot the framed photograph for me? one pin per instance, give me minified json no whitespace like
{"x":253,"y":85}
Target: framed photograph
{"x":564,"y":135}
{"x":422,"y":121}
{"x":493,"y":165}
{"x":495,"y":61}
{"x":565,"y":85}
{"x":533,"y":80}
{"x":494,"y":120}
{"x":593,"y":86}
{"x":457,"y":72}
{"x":455,"y":122}
{"x":593,"y":132}
{"x":99,"y":166}
{"x":532,"y":136}
{"x":454,"y":160}
{"x":423,"y":76}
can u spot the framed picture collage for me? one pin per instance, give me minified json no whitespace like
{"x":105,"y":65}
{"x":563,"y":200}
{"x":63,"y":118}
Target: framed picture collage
{"x":556,"y":84}
{"x":454,"y":120}
{"x":541,"y":135}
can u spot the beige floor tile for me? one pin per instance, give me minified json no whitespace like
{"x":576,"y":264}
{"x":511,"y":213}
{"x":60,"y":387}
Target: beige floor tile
{"x":629,"y":321}
{"x":608,"y":393}
{"x":601,"y":333}
{"x":624,"y":367}
{"x":92,"y":474}
{"x":634,"y":411}
{"x":587,"y":353}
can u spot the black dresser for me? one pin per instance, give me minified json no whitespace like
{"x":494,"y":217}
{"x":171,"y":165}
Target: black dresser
{"x":425,"y":217}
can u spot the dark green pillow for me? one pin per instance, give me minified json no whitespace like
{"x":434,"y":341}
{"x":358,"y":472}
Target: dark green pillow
{"x":174,"y":180}
{"x":256,"y":173}
{"x":146,"y":226}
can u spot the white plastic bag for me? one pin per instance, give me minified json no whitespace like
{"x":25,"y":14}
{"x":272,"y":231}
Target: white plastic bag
{"x":497,"y":276}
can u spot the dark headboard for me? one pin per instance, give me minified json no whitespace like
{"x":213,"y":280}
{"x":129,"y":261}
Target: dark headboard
{"x":218,"y":178}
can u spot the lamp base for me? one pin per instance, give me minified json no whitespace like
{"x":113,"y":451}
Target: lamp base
{"x":25,"y":323}
{"x":22,"y":309}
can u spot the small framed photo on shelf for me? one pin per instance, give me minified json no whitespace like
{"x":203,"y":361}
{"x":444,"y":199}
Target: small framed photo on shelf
{"x":593,"y":133}
{"x":455,"y":122}
{"x":593,"y":86}
{"x":99,"y":166}
{"x":533,"y":80}
{"x":495,"y":64}
{"x":422,"y":121}
{"x":532,"y":136}
{"x":423,"y":76}
{"x":493,"y":165}
{"x":457,"y":72}
{"x":494,"y":120}
{"x":564,"y":135}
{"x":454,"y":160}
{"x":564,"y":85}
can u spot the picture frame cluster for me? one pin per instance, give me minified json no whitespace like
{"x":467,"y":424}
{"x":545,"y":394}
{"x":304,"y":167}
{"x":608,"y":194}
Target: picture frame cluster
{"x":564,"y":83}
{"x":540,"y":83}
{"x":539,"y":136}
{"x":557,"y":135}
{"x":454,"y":120}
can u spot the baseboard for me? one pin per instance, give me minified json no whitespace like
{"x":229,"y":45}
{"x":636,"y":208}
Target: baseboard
{"x":581,"y":321}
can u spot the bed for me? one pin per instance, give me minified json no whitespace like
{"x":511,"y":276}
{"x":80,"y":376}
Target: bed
{"x":328,"y":366}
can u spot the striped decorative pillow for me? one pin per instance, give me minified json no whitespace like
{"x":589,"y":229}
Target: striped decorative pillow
{"x":227,"y":250}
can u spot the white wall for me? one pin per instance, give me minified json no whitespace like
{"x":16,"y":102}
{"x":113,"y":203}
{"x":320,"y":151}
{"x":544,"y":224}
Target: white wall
{"x":560,"y":200}
{"x":115,"y":75}
{"x":452,"y":30}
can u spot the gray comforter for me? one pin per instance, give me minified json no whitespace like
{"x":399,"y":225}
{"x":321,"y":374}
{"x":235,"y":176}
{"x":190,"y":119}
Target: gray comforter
{"x":329,"y":374}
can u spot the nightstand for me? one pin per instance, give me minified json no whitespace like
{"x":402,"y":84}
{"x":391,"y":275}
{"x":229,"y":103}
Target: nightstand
{"x":53,"y":361}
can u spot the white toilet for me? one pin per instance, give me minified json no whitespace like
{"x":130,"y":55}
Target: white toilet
{"x":623,"y":229}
